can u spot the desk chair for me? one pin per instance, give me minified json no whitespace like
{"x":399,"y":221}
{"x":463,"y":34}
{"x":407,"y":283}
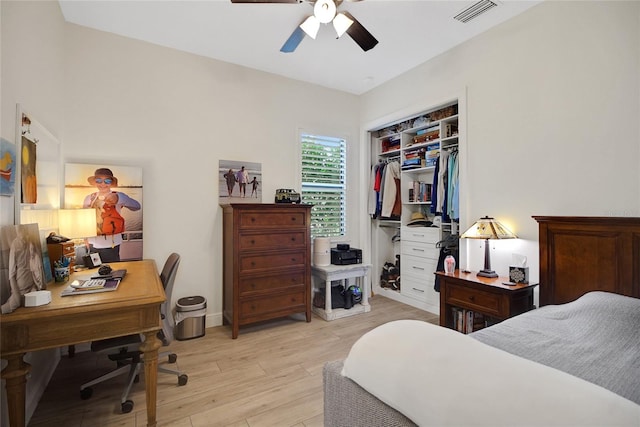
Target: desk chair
{"x":125,"y":350}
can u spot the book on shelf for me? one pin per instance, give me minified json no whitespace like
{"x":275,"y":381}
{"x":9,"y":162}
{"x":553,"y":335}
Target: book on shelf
{"x":467,"y":321}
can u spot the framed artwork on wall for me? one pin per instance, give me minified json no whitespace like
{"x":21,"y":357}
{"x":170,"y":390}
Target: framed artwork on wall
{"x":115,"y":192}
{"x":7,"y":167}
{"x":239,"y":182}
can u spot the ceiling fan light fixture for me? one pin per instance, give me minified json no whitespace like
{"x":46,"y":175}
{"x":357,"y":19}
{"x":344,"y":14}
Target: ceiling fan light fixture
{"x":324,"y":10}
{"x":341,"y":23}
{"x":310,"y":26}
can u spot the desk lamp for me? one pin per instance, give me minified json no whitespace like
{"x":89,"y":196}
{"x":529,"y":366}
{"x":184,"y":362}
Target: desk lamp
{"x":487,"y":228}
{"x":77,"y":224}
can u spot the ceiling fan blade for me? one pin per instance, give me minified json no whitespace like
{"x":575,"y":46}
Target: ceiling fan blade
{"x":293,"y":41}
{"x":266,"y":1}
{"x":360,"y":35}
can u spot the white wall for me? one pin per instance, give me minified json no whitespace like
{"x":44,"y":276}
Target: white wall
{"x":553,"y":100}
{"x":176,"y":115}
{"x":32,"y":68}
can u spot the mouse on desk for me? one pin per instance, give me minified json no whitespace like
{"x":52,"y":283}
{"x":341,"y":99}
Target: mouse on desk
{"x":104,"y":270}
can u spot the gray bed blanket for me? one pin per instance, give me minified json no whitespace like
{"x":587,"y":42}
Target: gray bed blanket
{"x":597,"y":340}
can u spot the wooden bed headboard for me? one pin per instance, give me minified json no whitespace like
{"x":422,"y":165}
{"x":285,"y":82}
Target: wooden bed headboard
{"x":582,"y":254}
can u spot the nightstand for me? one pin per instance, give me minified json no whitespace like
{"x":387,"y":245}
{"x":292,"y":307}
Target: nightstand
{"x":469,"y":302}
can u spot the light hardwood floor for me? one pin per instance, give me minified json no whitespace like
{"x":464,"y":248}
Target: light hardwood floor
{"x":270,"y":376}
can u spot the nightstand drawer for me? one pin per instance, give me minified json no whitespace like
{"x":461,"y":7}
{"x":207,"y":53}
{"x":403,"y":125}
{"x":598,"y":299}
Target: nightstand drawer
{"x":475,"y":299}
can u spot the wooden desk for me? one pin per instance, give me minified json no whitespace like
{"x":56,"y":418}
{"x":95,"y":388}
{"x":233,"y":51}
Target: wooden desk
{"x":133,"y":308}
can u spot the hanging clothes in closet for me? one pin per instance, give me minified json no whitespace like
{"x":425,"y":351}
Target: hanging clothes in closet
{"x":384,"y":190}
{"x":391,"y":203}
{"x":445,"y":188}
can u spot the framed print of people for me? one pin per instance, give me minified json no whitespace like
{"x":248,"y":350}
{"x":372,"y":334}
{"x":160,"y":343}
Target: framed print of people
{"x":110,"y":224}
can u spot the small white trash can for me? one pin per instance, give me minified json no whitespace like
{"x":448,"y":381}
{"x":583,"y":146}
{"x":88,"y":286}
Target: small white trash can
{"x":190,"y":317}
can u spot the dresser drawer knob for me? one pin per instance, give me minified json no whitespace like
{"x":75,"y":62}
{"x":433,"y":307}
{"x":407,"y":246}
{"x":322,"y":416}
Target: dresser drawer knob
{"x":253,"y":242}
{"x":293,"y":239}
{"x":472,"y":298}
{"x":253,"y":219}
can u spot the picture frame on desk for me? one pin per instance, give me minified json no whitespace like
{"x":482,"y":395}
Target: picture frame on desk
{"x":92,"y":260}
{"x":21,"y":251}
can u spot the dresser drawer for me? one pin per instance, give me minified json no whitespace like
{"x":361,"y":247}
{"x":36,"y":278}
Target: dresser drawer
{"x":421,"y":234}
{"x":272,"y":219}
{"x":255,"y":309}
{"x":476,"y":299}
{"x":419,"y":249}
{"x":294,"y":239}
{"x":271,"y":282}
{"x":283,"y":259}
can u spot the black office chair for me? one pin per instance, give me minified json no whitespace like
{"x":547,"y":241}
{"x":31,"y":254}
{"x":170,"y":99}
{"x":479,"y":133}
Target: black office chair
{"x":125,"y":350}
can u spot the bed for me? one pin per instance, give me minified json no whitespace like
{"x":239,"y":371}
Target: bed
{"x":573,"y":361}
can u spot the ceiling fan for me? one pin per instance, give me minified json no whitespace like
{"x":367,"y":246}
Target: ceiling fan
{"x":324,"y":11}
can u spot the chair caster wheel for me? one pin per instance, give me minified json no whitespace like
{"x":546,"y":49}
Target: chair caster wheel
{"x":127,"y":406}
{"x":182,"y":379}
{"x":86,"y":393}
{"x":173,"y":357}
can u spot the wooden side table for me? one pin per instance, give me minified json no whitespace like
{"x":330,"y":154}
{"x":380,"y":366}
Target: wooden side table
{"x":490,"y":297}
{"x":332,"y":272}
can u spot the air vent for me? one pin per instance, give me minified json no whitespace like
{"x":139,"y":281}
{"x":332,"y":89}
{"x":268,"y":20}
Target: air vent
{"x":475,"y":10}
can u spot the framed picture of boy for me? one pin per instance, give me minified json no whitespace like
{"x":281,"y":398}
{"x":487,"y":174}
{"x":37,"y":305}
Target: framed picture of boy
{"x":116,"y":194}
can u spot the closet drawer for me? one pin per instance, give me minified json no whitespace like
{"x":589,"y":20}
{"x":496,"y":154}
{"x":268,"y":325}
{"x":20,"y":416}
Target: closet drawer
{"x":420,"y":268}
{"x":414,"y":288}
{"x":423,"y":250}
{"x":295,"y":239}
{"x":421,"y":234}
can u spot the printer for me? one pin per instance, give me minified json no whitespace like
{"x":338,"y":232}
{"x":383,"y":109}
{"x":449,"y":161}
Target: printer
{"x":345,"y":255}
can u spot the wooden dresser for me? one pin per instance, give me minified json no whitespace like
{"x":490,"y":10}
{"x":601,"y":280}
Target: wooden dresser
{"x":267,"y":262}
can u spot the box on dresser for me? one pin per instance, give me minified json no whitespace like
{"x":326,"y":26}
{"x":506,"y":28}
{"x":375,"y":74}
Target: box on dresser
{"x":267,"y":262}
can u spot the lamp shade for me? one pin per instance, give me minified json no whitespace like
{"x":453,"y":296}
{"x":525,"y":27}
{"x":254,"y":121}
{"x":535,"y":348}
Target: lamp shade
{"x":77,"y":223}
{"x":488,"y":228}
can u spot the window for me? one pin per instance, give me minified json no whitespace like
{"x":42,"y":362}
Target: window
{"x":323,"y":183}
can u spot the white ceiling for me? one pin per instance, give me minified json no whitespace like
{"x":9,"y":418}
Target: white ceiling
{"x":409,"y":33}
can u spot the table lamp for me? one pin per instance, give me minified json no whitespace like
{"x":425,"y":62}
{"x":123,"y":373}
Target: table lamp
{"x":487,"y":228}
{"x":77,"y":223}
